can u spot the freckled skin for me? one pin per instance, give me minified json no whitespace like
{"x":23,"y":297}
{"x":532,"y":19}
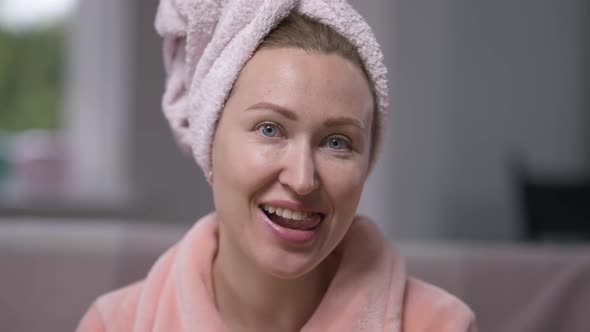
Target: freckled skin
{"x":297,"y":164}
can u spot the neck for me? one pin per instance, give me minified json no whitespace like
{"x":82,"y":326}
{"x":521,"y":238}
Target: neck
{"x":250,"y":299}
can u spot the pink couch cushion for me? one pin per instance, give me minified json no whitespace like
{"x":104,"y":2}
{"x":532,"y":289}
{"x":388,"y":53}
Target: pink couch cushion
{"x":51,"y":270}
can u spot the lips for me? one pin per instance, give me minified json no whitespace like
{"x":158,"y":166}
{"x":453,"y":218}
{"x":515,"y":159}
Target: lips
{"x":295,"y":220}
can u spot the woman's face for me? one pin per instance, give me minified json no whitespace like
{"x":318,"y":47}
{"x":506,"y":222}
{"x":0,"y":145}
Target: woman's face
{"x":290,"y":158}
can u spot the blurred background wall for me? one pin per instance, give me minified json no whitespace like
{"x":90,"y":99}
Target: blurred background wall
{"x":476,"y":87}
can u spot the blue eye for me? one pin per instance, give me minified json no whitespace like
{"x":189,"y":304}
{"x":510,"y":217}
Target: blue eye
{"x":269,"y":130}
{"x":338,"y":143}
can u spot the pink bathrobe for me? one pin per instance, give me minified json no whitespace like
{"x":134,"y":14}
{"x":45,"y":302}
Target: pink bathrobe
{"x":369,"y":292}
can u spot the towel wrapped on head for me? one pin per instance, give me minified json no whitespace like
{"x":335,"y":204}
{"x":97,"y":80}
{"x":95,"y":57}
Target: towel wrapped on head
{"x":207,"y":42}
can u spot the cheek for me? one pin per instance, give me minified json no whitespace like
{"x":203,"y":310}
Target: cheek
{"x":343,"y":181}
{"x":241,"y":165}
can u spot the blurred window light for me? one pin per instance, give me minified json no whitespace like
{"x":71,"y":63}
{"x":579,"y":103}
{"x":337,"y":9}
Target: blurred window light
{"x":32,"y":49}
{"x":19,"y":16}
{"x":54,"y":96}
{"x":32,"y":38}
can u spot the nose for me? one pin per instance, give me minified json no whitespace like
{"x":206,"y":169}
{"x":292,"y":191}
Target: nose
{"x":299,"y":170}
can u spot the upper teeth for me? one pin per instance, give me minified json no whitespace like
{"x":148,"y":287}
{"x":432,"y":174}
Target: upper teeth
{"x":287,"y":213}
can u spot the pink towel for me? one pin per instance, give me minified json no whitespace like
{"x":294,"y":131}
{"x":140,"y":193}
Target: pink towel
{"x":207,"y":42}
{"x":370,"y":292}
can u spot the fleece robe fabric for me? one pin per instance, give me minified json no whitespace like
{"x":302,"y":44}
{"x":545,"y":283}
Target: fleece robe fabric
{"x":369,"y":292}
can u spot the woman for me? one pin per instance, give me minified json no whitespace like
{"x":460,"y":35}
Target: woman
{"x":282,"y":104}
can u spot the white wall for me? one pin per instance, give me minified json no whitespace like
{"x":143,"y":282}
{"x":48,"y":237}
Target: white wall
{"x":96,"y":102}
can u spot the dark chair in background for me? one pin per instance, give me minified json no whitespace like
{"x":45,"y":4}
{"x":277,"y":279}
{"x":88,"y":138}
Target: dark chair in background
{"x":554,"y":207}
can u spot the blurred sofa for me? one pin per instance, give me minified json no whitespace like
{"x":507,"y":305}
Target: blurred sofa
{"x":51,"y":270}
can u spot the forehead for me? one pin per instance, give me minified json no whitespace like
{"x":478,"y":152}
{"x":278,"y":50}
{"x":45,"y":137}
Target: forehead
{"x":311,"y":83}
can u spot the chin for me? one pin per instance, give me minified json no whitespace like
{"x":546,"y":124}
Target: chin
{"x":287,"y":265}
{"x":291,"y":261}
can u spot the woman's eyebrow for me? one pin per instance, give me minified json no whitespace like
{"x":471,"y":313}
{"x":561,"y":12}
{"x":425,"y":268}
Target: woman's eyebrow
{"x":330,"y":122}
{"x":270,"y":106}
{"x":344,"y":121}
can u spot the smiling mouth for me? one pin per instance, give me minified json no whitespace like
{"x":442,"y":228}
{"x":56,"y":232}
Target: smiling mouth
{"x":297,"y":220}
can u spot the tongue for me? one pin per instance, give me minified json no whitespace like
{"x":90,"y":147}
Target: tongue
{"x":301,"y":225}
